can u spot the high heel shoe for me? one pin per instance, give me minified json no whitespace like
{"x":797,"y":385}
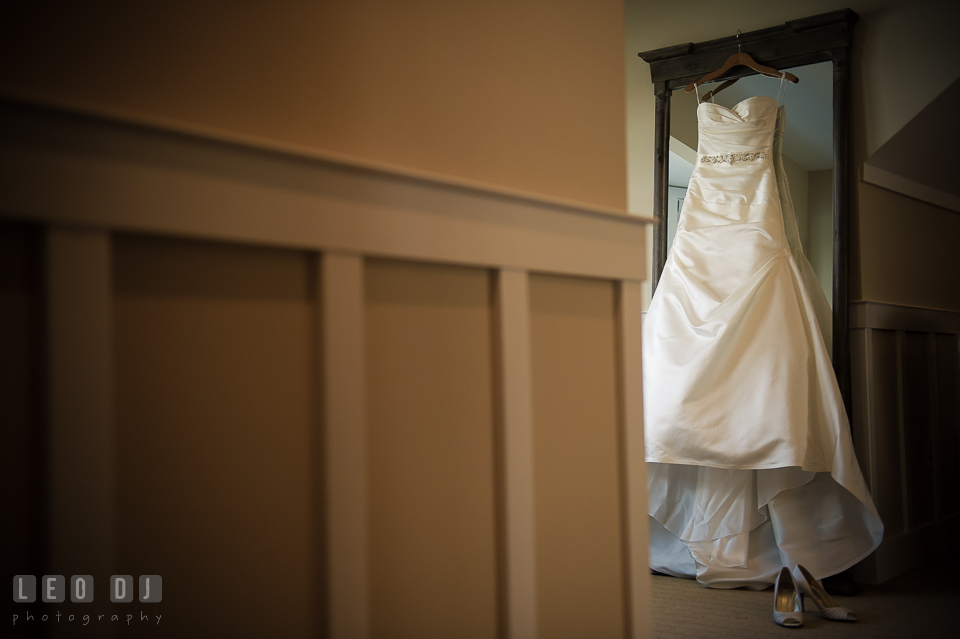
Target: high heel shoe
{"x":787,"y":606}
{"x":814,"y":589}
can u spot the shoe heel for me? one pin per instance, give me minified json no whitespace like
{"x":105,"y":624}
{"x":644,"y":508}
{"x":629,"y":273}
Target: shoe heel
{"x":787,"y":603}
{"x":808,"y":585}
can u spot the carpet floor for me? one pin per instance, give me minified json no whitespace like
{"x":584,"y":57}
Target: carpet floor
{"x":923,"y":603}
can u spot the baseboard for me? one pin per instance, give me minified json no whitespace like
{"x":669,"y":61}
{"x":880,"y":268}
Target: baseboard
{"x":900,"y":553}
{"x":899,"y":317}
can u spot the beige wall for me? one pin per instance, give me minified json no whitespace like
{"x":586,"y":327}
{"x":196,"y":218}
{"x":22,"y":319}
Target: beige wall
{"x":908,"y":250}
{"x":904,"y":55}
{"x":527,"y":95}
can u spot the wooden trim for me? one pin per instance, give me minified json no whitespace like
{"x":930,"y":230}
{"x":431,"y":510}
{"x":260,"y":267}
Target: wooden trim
{"x":909,"y":188}
{"x":933,"y":426}
{"x":841,"y":223}
{"x":898,"y":317}
{"x":900,"y":553}
{"x":863,"y":425}
{"x":639,"y":603}
{"x":794,"y":43}
{"x":516,"y":406}
{"x":121,"y":176}
{"x":112,"y":115}
{"x":661,"y":179}
{"x":871,"y":413}
{"x":902,"y":435}
{"x":341,"y":297}
{"x":82,"y":459}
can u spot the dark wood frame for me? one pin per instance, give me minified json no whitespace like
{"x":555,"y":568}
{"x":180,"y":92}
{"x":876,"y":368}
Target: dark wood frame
{"x":820,"y":38}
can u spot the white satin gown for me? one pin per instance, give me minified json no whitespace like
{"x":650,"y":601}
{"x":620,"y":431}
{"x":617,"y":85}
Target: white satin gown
{"x":751,"y":465}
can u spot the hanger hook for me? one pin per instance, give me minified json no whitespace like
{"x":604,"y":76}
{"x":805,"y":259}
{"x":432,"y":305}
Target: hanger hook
{"x":738,"y":41}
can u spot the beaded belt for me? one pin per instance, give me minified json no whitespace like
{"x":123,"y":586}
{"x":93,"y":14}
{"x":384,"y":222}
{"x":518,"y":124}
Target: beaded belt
{"x":732,"y":158}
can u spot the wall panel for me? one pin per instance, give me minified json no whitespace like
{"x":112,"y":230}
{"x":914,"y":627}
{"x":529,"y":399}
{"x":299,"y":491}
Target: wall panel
{"x":906,"y":381}
{"x":433,"y":564}
{"x":21,"y":398}
{"x":215,"y":425}
{"x":918,"y":429}
{"x":576,"y":462}
{"x":280,"y":367}
{"x":948,"y":418}
{"x":888,"y":493}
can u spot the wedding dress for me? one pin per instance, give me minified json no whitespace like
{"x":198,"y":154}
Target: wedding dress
{"x":751,"y":465}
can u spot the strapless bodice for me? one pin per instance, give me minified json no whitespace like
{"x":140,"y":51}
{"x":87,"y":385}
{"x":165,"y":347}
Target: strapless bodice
{"x":748,"y":127}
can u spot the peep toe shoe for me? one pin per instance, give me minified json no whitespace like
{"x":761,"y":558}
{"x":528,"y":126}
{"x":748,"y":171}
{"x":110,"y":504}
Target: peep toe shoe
{"x":787,"y":605}
{"x":814,"y":590}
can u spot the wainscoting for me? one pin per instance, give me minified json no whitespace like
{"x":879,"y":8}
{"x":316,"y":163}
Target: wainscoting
{"x":906,"y":429}
{"x":318,"y":397}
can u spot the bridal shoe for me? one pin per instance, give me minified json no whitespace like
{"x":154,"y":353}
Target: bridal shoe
{"x":814,"y":589}
{"x":787,"y":606}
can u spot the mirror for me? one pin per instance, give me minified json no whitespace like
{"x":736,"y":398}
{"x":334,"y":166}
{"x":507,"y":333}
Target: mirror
{"x":798,"y":45}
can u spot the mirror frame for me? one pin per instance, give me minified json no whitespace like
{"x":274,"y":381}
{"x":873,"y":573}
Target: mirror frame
{"x":820,"y":38}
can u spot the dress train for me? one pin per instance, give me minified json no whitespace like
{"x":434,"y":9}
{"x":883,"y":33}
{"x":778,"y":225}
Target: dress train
{"x":751,"y":464}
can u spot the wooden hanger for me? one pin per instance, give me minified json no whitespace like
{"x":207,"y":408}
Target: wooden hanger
{"x":741,"y":59}
{"x":710,"y":94}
